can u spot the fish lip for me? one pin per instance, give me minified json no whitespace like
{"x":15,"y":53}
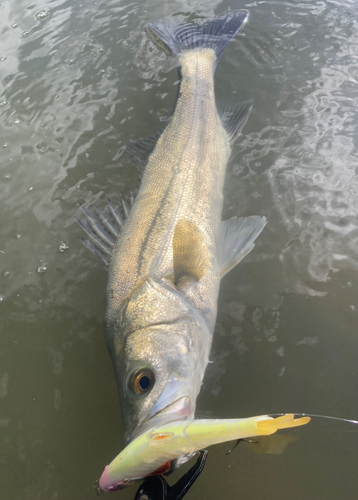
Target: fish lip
{"x":180,"y":409}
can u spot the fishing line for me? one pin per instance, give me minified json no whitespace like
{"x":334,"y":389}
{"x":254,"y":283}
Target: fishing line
{"x":328,"y":417}
{"x":349,"y":421}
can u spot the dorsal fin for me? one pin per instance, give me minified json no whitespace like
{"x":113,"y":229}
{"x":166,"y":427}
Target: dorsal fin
{"x":236,"y":240}
{"x":234,"y":117}
{"x":190,"y":255}
{"x":139,"y":150}
{"x":104,"y":226}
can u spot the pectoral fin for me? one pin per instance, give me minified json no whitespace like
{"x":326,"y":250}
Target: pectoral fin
{"x":236,"y":240}
{"x":190,"y":255}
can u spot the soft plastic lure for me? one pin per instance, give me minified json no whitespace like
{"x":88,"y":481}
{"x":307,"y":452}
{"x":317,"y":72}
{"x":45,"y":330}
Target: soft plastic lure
{"x":151,"y":452}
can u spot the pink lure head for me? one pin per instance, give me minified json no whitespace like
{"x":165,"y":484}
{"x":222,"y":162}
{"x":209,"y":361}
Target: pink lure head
{"x":107,"y":484}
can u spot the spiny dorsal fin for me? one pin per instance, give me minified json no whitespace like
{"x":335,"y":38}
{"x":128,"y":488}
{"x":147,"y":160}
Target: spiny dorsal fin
{"x":236,"y":240}
{"x":234,"y":117}
{"x":190,"y":256}
{"x":104,"y":226}
{"x":139,"y":150}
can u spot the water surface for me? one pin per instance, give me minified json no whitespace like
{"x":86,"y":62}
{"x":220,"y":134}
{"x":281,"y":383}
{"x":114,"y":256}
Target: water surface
{"x":78,"y":79}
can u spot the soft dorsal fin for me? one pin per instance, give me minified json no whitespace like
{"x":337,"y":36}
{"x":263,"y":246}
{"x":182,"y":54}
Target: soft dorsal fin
{"x":190,"y":256}
{"x":234,"y":117}
{"x":139,"y":150}
{"x":236,"y":239}
{"x":104,"y":226}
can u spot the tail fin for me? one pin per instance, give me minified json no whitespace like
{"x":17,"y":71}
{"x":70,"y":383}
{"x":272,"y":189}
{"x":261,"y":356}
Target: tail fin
{"x":215,"y":34}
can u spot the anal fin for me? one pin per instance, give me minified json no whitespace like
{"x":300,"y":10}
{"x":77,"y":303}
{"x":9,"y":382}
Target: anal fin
{"x":190,"y":258}
{"x":234,"y":117}
{"x":236,"y":240}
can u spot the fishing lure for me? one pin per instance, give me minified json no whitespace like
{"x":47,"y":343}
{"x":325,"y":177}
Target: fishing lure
{"x":152,"y":452}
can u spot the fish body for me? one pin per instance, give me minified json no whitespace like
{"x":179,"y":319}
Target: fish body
{"x":181,"y":189}
{"x":165,"y":266}
{"x":164,"y":273}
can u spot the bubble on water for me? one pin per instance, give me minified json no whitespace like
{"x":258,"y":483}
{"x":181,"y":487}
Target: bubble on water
{"x":2,"y":58}
{"x":14,"y":25}
{"x":5,"y":145}
{"x":63,"y":246}
{"x":41,"y":15}
{"x":42,"y":268}
{"x":2,"y":103}
{"x":6,"y":274}
{"x":31,"y":188}
{"x":2,"y":298}
{"x":17,"y":120}
{"x":42,"y":147}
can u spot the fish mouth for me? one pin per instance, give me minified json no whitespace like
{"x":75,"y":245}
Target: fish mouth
{"x":180,"y":409}
{"x":164,"y":411}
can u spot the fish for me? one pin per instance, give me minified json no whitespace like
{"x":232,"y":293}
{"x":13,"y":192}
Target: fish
{"x":167,"y":249}
{"x":152,"y":451}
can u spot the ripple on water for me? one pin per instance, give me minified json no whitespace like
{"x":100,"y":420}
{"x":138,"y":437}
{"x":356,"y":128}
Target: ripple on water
{"x":85,"y":78}
{"x":309,"y":150}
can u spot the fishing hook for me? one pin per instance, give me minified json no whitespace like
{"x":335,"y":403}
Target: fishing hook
{"x":157,"y":488}
{"x":97,"y":488}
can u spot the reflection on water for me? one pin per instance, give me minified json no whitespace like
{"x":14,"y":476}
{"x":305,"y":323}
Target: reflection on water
{"x":78,"y":79}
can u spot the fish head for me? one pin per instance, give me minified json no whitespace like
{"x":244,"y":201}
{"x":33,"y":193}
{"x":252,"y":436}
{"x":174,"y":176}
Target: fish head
{"x":163,"y":375}
{"x":160,"y":362}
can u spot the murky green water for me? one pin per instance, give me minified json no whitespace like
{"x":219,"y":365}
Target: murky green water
{"x":78,"y":79}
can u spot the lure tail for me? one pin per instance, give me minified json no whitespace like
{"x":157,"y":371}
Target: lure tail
{"x":208,"y":432}
{"x":214,"y":35}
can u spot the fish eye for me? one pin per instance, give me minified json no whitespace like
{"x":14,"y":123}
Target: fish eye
{"x":143,"y":381}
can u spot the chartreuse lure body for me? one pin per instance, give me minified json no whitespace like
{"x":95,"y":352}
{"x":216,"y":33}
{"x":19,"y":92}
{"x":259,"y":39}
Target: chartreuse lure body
{"x":151,"y":452}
